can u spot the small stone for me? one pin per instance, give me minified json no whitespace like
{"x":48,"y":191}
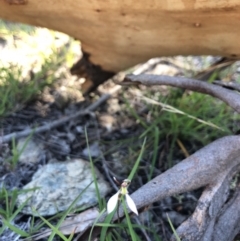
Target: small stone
{"x":79,"y":129}
{"x":93,"y":149}
{"x":57,"y":186}
{"x":30,"y":151}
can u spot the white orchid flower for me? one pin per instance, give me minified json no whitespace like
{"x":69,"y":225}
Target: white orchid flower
{"x":113,"y":201}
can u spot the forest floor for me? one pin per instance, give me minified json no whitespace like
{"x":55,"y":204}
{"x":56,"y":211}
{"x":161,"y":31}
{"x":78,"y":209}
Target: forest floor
{"x":37,"y":90}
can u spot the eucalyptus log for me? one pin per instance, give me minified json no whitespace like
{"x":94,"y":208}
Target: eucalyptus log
{"x":117,"y":34}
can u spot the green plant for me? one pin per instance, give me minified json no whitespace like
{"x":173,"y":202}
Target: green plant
{"x":112,"y":203}
{"x":10,"y":28}
{"x":16,"y":91}
{"x":8,"y":210}
{"x":13,"y":160}
{"x":18,"y":88}
{"x":182,"y":117}
{"x":55,"y":228}
{"x":173,"y":229}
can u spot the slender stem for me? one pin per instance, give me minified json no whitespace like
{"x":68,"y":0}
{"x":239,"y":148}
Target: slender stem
{"x":118,"y":205}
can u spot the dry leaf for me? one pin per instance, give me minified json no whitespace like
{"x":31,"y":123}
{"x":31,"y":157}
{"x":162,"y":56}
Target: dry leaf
{"x":74,"y":224}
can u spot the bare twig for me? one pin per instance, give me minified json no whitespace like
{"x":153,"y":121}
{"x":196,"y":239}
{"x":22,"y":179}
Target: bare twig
{"x":218,"y":66}
{"x":229,"y":97}
{"x":56,"y":123}
{"x":147,"y":238}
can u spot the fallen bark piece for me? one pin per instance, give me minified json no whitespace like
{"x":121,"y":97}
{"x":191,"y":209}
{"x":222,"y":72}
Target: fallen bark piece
{"x":227,"y":225}
{"x":74,"y":224}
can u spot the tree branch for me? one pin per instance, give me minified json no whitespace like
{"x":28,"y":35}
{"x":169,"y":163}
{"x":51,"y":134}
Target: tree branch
{"x":229,"y":97}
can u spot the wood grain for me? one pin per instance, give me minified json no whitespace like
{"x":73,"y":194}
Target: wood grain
{"x":120,"y":33}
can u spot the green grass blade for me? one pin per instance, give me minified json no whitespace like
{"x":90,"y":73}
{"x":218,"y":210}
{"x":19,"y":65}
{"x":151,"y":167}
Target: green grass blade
{"x":68,"y":211}
{"x":155,"y":151}
{"x":135,"y":167}
{"x":54,"y":229}
{"x":105,"y":228}
{"x":173,"y":229}
{"x":7,"y":204}
{"x":134,"y":113}
{"x":94,"y":174}
{"x":130,"y":227}
{"x":15,"y":229}
{"x":94,"y":224}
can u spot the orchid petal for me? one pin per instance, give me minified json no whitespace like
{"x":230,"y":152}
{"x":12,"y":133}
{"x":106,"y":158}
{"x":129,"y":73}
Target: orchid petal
{"x":112,"y":202}
{"x":131,"y":204}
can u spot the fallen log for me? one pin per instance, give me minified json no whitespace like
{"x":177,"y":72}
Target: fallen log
{"x":119,"y":34}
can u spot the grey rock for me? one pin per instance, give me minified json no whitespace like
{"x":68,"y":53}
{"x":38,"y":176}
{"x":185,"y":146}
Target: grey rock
{"x":30,"y":151}
{"x":175,"y":217}
{"x":57,"y":186}
{"x":93,"y":150}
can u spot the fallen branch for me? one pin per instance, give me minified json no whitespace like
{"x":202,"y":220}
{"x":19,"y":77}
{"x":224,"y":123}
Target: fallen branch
{"x":216,"y":216}
{"x":203,"y":168}
{"x":229,"y":97}
{"x":212,"y":167}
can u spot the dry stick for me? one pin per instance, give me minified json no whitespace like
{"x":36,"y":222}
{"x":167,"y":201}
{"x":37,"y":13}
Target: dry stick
{"x":229,"y":97}
{"x":212,"y":159}
{"x":142,"y":229}
{"x":198,"y":170}
{"x":56,"y":123}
